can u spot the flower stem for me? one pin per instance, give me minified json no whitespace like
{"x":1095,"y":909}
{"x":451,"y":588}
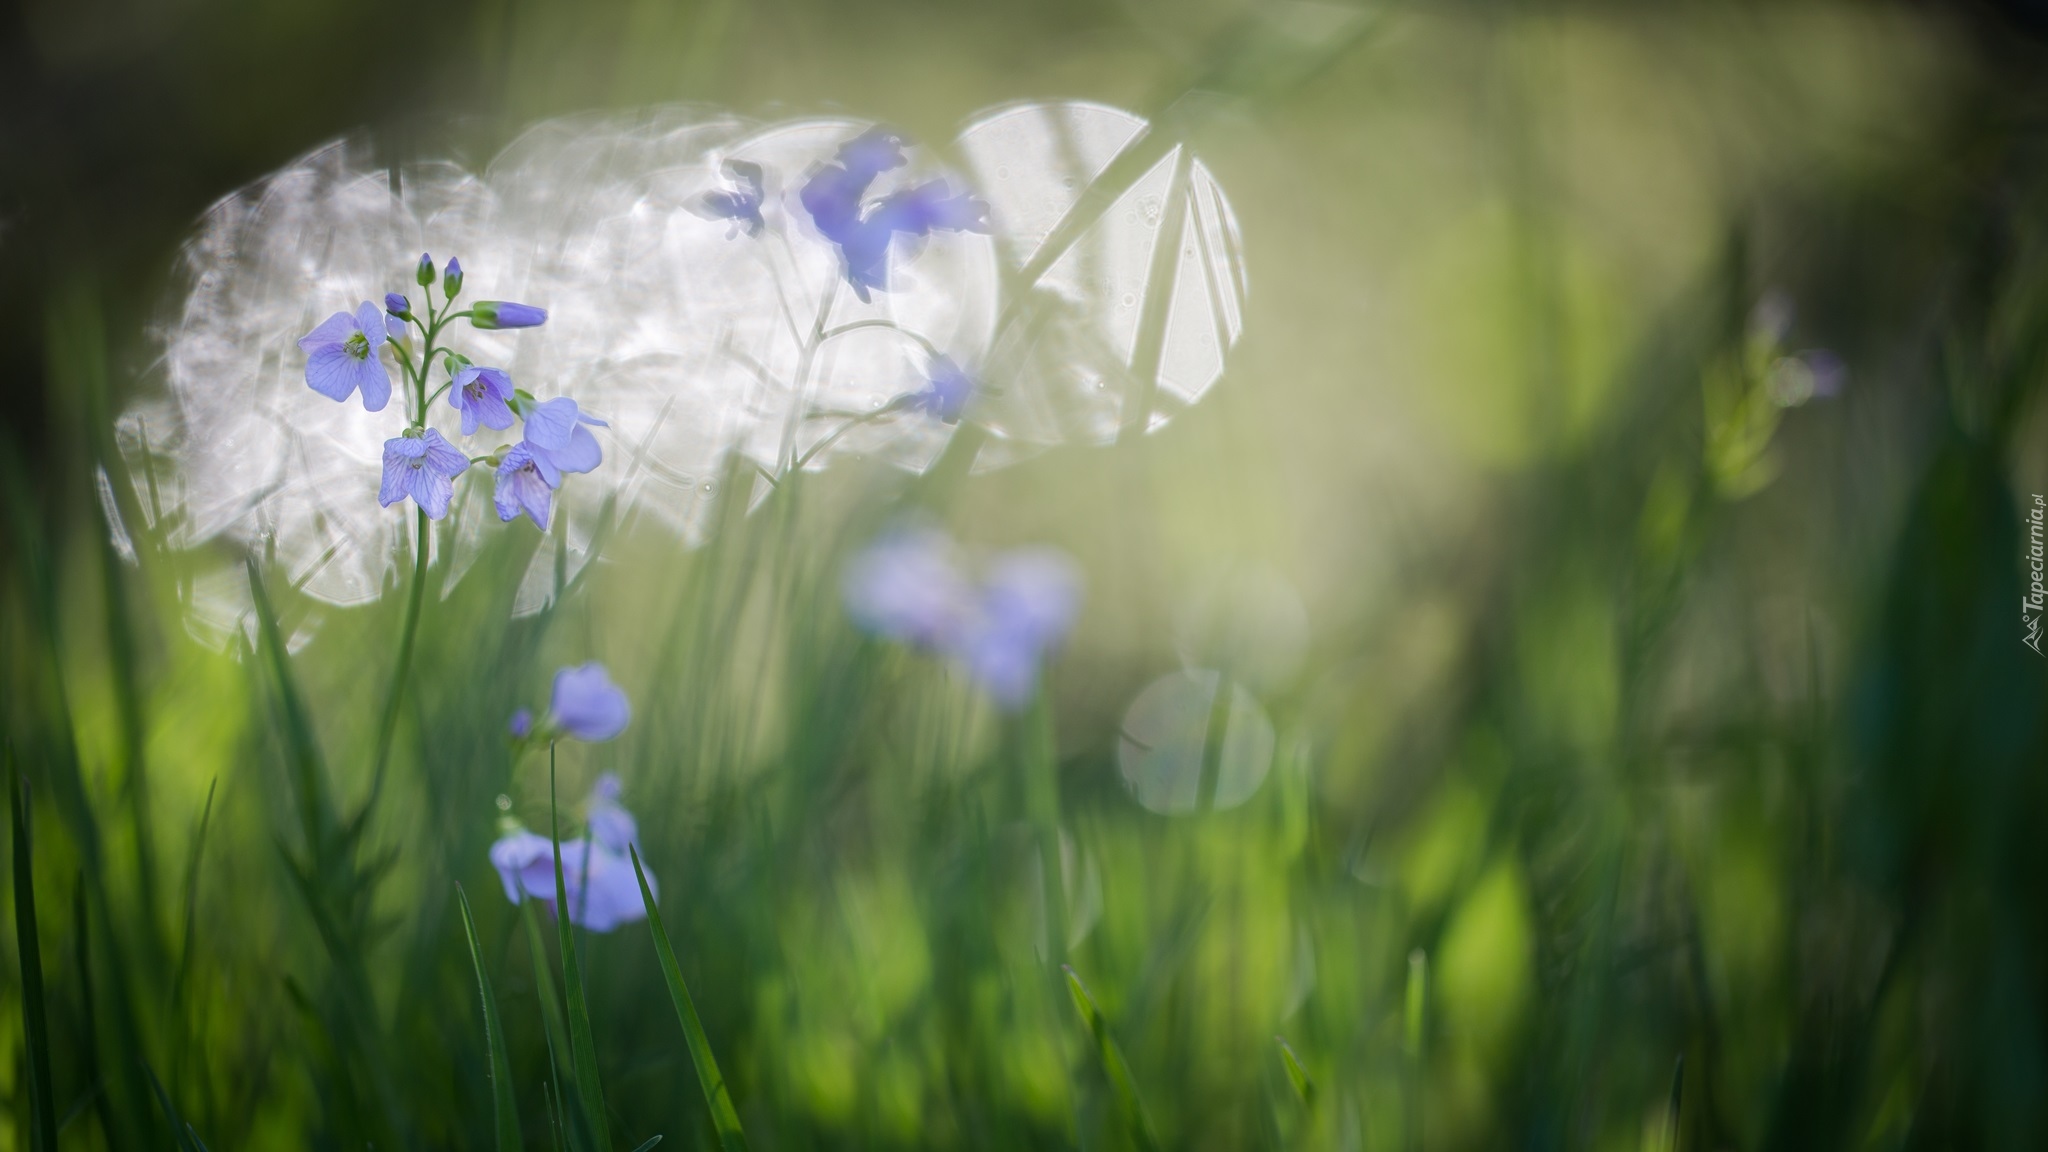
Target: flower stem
{"x":407,"y":633}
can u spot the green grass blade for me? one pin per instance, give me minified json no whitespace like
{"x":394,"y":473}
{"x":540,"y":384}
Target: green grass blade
{"x":648,"y":1143}
{"x":553,"y":1030}
{"x":1304,"y":1085}
{"x":582,"y":1048}
{"x":42,"y":1109}
{"x":188,"y":1141}
{"x":1113,"y":1063}
{"x":723,"y":1116}
{"x":504,"y":1105}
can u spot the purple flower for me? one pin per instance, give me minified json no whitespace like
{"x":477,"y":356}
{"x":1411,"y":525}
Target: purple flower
{"x":422,"y":466}
{"x":556,"y":442}
{"x":521,"y":725}
{"x":906,"y":587}
{"x":835,"y":198}
{"x":597,"y":873}
{"x":490,"y":314}
{"x":341,"y":357}
{"x":483,"y":395}
{"x":610,"y":824}
{"x":524,"y":486}
{"x":451,"y":278}
{"x":1027,"y":605}
{"x":397,"y":305}
{"x":742,"y":208}
{"x":587,"y":705}
{"x":947,"y":392}
{"x":424,"y":274}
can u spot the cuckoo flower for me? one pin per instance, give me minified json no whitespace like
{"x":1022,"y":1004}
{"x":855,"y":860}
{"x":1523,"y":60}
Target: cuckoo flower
{"x":742,"y":206}
{"x":946,"y":392}
{"x":493,"y":314}
{"x":557,"y":442}
{"x":484,"y":395}
{"x":341,"y":357}
{"x":421,"y":465}
{"x":597,"y":873}
{"x":1027,"y":605}
{"x":585,"y":704}
{"x":906,"y":587}
{"x":835,"y":196}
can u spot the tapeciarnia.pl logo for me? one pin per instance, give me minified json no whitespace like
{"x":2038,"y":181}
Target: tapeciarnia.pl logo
{"x":2037,"y":596}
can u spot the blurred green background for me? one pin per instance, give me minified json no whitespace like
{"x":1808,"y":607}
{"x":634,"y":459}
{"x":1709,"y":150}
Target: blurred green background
{"x":1663,"y":769}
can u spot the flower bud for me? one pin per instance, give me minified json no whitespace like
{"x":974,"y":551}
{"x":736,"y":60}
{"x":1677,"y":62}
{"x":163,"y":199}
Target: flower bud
{"x":506,"y":314}
{"x":451,"y":280}
{"x":396,"y":304}
{"x":424,"y":275}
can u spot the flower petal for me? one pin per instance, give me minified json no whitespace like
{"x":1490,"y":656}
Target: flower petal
{"x":375,"y":381}
{"x":588,"y":705}
{"x":331,"y":332}
{"x":331,"y":372}
{"x":442,"y":457}
{"x":549,"y":424}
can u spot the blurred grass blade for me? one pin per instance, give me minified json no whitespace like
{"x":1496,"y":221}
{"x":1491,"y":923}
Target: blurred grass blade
{"x":648,"y":1143}
{"x":505,"y":1107}
{"x":316,"y":815}
{"x":1113,"y":1063}
{"x":42,"y":1109}
{"x":1297,"y":1075}
{"x":188,"y":1141}
{"x":582,"y":1048}
{"x":723,"y":1116}
{"x":553,"y":1030}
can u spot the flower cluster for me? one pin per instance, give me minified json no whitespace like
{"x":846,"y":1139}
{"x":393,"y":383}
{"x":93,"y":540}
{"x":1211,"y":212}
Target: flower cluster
{"x":597,"y":871}
{"x":909,"y":586}
{"x":344,"y":356}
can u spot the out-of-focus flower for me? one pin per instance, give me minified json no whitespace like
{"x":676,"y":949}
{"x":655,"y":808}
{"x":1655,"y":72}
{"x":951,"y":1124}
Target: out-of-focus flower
{"x":492,"y":314}
{"x":1027,"y":605}
{"x":835,"y":196}
{"x":521,"y":725}
{"x":451,"y":278}
{"x":341,"y":357}
{"x":741,"y":207}
{"x":587,"y":705}
{"x":906,"y":587}
{"x":947,"y":390}
{"x":484,"y":396}
{"x":597,"y":873}
{"x":422,"y":465}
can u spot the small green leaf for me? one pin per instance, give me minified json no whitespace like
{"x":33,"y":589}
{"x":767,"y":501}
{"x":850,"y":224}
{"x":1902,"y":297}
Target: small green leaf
{"x":723,"y":1116}
{"x":1297,"y":1075}
{"x":503,"y":1103}
{"x":1113,"y":1063}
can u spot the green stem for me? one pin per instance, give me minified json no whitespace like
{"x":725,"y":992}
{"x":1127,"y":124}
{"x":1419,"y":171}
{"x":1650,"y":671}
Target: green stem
{"x":388,"y":726}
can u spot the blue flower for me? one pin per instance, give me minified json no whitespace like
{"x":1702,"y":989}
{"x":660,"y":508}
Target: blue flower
{"x":556,"y":442}
{"x":397,"y":305}
{"x":597,"y":873}
{"x":587,"y":705}
{"x":341,"y":357}
{"x":423,"y":466}
{"x":484,"y":395}
{"x":1028,"y":604}
{"x":948,"y":389}
{"x":451,"y":279}
{"x":490,"y":314}
{"x":741,"y":207}
{"x":906,"y":587}
{"x":835,"y":197}
{"x":424,"y":274}
{"x":521,"y":724}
